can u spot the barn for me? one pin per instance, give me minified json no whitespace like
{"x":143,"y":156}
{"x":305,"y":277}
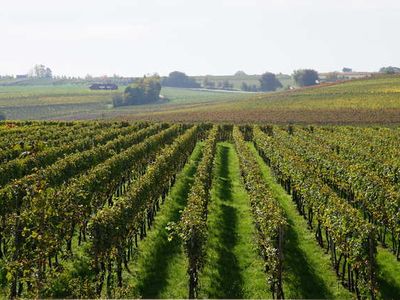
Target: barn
{"x":104,"y":86}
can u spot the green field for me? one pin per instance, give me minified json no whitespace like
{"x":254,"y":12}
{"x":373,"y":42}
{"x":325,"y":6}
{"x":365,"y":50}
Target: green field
{"x":79,"y":102}
{"x":156,"y":210}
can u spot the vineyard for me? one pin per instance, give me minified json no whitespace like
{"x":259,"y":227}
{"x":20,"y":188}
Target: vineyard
{"x":178,"y":210}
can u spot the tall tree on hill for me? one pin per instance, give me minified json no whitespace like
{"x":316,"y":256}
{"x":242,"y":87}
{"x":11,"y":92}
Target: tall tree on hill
{"x":269,"y":82}
{"x":306,"y":77}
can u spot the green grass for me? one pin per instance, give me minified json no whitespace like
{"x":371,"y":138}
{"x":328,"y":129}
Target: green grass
{"x":189,"y":96}
{"x":233,"y":267}
{"x":307,"y":269}
{"x":388,"y":274}
{"x":159,"y":268}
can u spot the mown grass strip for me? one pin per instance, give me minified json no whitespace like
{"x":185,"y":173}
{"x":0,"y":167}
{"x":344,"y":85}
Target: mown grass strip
{"x":233,"y":266}
{"x":159,"y":268}
{"x":307,"y":269}
{"x":388,"y":274}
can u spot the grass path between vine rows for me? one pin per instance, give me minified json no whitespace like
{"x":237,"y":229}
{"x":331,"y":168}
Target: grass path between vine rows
{"x":233,"y":267}
{"x":307,"y":269}
{"x":159,"y":268}
{"x":388,"y":274}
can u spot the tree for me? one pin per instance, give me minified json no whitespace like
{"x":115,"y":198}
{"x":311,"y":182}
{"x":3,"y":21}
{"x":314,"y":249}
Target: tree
{"x":269,"y":82}
{"x":306,"y":77}
{"x":41,"y":71}
{"x":180,"y":79}
{"x":389,"y":70}
{"x":144,"y":91}
{"x":347,"y":70}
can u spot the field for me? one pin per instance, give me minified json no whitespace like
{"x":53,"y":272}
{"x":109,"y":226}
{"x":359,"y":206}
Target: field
{"x":160,"y":210}
{"x":365,"y":102}
{"x":79,"y":102}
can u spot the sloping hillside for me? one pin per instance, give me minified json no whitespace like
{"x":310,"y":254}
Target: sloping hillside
{"x":365,"y":101}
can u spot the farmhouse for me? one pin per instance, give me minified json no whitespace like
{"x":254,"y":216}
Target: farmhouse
{"x":104,"y":86}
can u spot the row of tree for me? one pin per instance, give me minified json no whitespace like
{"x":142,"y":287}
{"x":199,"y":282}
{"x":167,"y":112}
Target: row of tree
{"x":147,"y":89}
{"x":269,"y":82}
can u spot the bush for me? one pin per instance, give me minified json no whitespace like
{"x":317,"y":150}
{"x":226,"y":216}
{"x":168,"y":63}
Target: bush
{"x":145,"y":91}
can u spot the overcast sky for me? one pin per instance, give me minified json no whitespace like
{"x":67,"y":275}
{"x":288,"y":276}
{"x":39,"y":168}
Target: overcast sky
{"x":135,"y":37}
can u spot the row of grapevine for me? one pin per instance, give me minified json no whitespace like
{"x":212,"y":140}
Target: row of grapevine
{"x":268,"y":216}
{"x":94,"y":200}
{"x":12,"y":127}
{"x":44,"y":138}
{"x":113,"y":229}
{"x":55,"y":213}
{"x":193,"y":223}
{"x":16,"y":196}
{"x":376,"y":149}
{"x":349,"y":239}
{"x":12,"y":136}
{"x":18,"y":168}
{"x":354,"y":179}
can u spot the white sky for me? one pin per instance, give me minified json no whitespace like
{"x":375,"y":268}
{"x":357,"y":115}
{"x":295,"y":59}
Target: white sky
{"x":134,"y":37}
